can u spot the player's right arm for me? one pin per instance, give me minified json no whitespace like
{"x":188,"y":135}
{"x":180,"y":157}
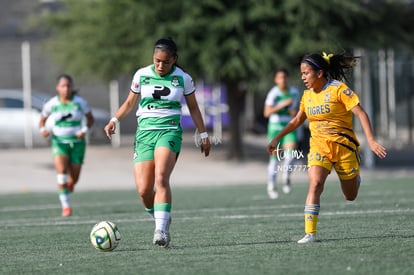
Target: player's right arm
{"x":42,"y":123}
{"x":125,"y":109}
{"x":293,"y":124}
{"x":43,"y":118}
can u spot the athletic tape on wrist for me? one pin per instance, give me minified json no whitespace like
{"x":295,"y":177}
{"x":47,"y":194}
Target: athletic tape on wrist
{"x":203,"y":135}
{"x":85,"y":129}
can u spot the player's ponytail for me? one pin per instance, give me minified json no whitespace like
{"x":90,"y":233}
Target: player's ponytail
{"x":334,"y":66}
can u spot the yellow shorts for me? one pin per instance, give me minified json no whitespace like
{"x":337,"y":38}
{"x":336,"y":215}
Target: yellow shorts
{"x":345,"y":160}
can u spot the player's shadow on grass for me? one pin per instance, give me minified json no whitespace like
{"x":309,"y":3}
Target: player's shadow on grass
{"x":376,"y":237}
{"x":289,"y":241}
{"x":208,"y":245}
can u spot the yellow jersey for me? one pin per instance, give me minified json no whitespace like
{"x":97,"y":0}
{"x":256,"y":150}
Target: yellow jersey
{"x":330,"y":116}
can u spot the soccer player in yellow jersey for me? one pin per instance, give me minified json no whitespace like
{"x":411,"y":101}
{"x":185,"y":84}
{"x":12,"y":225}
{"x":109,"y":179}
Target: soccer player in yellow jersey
{"x":329,"y":104}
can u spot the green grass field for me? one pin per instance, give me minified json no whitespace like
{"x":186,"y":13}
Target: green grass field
{"x":217,"y":230}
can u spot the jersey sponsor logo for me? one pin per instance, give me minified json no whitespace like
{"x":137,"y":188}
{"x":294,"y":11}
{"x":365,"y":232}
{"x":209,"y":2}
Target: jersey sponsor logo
{"x":136,"y":85}
{"x":64,"y":117}
{"x":319,"y":109}
{"x":146,"y":80}
{"x":159,"y":91}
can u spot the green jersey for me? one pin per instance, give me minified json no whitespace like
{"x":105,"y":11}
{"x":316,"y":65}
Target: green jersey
{"x":67,"y":117}
{"x":275,"y":96}
{"x":160,"y":105}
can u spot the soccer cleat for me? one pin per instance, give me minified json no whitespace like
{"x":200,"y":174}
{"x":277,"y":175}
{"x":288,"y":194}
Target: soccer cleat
{"x":309,"y":238}
{"x":161,"y":238}
{"x":287,"y":188}
{"x":272,"y":193}
{"x":66,"y":212}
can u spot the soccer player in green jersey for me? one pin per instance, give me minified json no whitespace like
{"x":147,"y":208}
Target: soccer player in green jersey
{"x":280,"y":106}
{"x":67,"y":111}
{"x":159,"y":88}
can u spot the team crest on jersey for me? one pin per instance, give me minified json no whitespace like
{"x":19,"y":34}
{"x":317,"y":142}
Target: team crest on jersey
{"x":175,"y":82}
{"x":327,"y":97}
{"x":348,"y":92}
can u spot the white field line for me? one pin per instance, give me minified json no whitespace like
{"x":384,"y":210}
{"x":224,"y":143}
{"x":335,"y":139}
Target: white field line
{"x":60,"y":221}
{"x":136,"y":203}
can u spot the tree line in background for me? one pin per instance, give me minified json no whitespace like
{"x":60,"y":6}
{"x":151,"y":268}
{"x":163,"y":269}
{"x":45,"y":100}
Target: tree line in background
{"x":236,"y":43}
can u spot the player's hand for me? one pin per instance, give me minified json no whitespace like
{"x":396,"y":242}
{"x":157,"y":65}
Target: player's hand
{"x":378,"y":149}
{"x":110,"y":129}
{"x":80,"y":135}
{"x":205,"y":146}
{"x":45,"y":133}
{"x":271,"y":147}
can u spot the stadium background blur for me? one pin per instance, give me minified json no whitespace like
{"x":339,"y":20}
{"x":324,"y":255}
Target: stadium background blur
{"x":386,"y":89}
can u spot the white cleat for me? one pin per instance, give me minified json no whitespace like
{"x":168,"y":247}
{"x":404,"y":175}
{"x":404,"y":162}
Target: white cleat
{"x":309,"y":238}
{"x":161,"y":238}
{"x":287,"y":189}
{"x":273,"y":194}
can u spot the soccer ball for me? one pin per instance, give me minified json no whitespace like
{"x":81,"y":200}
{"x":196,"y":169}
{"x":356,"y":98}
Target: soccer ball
{"x":105,"y":236}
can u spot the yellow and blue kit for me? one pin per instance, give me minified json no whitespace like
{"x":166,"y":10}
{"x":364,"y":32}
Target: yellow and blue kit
{"x":333,"y":141}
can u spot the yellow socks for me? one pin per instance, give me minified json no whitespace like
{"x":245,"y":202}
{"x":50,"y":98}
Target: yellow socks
{"x":311,"y":218}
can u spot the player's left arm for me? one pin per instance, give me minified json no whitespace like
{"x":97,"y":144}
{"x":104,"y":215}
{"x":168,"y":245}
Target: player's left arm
{"x":87,"y":111}
{"x":89,"y":122}
{"x":89,"y":119}
{"x":377,"y":148}
{"x":198,"y":121}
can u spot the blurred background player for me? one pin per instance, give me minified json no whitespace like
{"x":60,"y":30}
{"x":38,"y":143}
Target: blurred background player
{"x":67,"y":111}
{"x":159,"y":89}
{"x":328,"y":104}
{"x":280,"y":106}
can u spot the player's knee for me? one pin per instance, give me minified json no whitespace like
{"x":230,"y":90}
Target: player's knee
{"x":144,"y":191}
{"x":350,"y":198}
{"x":316,"y":187}
{"x":161,"y":180}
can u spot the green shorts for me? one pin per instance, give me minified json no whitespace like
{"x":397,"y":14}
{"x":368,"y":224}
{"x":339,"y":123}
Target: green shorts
{"x":146,"y":141}
{"x":74,"y":150}
{"x":274,"y":128}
